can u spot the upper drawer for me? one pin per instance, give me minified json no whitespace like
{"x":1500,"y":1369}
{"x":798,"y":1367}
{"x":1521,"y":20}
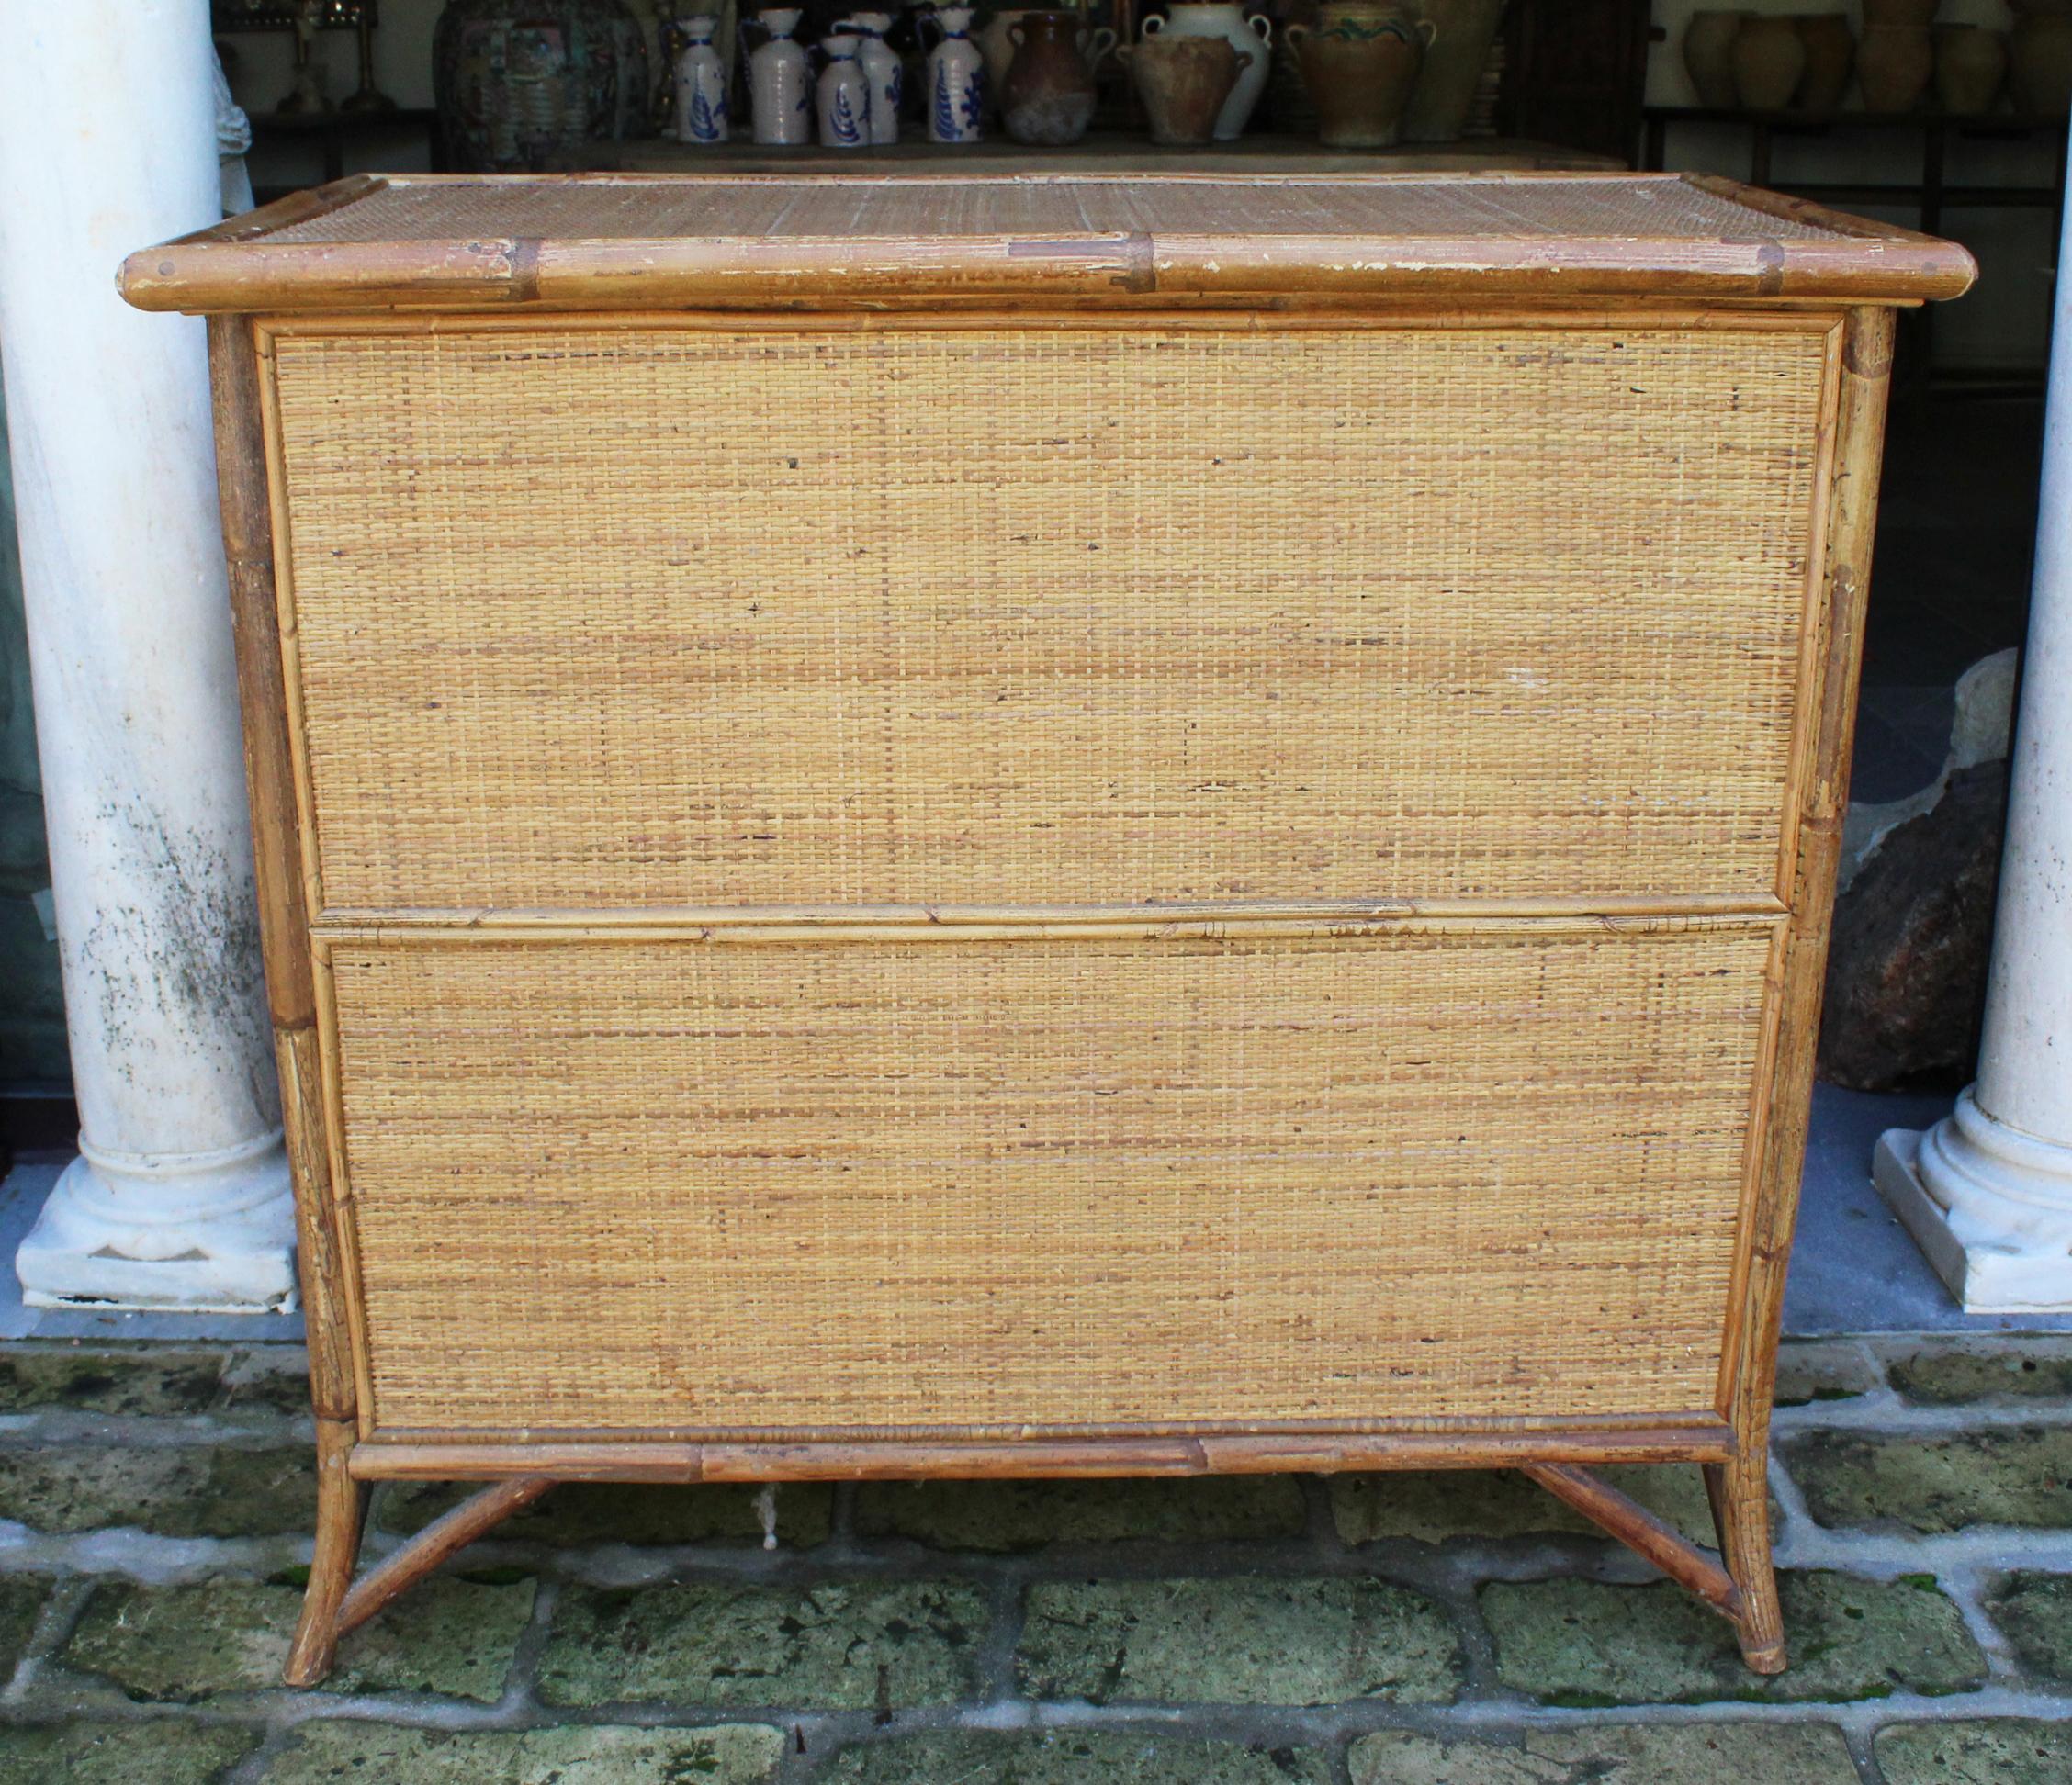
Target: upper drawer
{"x":594,"y":615}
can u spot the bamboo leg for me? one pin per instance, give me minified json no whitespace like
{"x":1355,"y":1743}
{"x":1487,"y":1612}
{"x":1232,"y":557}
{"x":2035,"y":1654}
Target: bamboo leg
{"x":339,"y":1504}
{"x":445,"y":1534}
{"x":1639,"y":1529}
{"x":1740,"y":1507}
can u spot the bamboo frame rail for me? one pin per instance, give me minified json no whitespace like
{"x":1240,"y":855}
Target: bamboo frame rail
{"x":1734,"y":958}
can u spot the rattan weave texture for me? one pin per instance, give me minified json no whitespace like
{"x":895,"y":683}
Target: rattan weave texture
{"x":647,"y":616}
{"x":943,"y":1185}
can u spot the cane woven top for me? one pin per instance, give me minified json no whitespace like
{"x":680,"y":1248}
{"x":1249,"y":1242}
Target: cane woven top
{"x":386,"y":240}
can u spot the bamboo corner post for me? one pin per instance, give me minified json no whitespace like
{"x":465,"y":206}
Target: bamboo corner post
{"x":1051,"y":824}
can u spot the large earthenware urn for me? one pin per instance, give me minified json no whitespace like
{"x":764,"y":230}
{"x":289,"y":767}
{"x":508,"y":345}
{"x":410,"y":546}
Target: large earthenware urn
{"x":2040,"y":61}
{"x":1359,"y":62}
{"x":1970,"y":63}
{"x":1768,"y":58}
{"x":1462,"y":31}
{"x":1708,"y":49}
{"x":1183,"y":81}
{"x":1047,"y":96}
{"x":1830,"y":57}
{"x":1244,"y":34}
{"x":1893,"y":63}
{"x":523,"y":85}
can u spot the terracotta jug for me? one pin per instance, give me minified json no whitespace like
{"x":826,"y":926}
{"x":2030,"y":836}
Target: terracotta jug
{"x":1970,"y":63}
{"x":1708,"y":47}
{"x":1360,"y":63}
{"x":2040,"y":63}
{"x":1047,"y":96}
{"x":1893,"y":66}
{"x":1768,"y":58}
{"x":1245,"y":32}
{"x":1183,"y":81}
{"x":1830,"y":57}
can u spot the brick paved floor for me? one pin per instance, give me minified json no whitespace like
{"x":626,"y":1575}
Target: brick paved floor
{"x":1376,"y":1630}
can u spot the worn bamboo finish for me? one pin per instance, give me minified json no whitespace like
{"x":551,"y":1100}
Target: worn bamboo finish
{"x":1230,"y":873}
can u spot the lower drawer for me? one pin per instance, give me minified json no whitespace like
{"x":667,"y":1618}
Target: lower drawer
{"x":971,"y":1187}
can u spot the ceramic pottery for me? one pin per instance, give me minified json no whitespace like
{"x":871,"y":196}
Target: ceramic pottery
{"x":1877,"y":13}
{"x":781,"y":81}
{"x":523,"y":85}
{"x":2040,"y":63}
{"x":1768,"y":58}
{"x":1183,"y":81}
{"x":957,"y":81}
{"x":1462,"y":31}
{"x":1047,"y":96}
{"x":845,"y":95}
{"x":1830,"y":57}
{"x":1286,"y":99}
{"x":701,"y":86}
{"x":881,"y":67}
{"x":1893,"y":66}
{"x":1360,"y":63}
{"x":1970,"y":65}
{"x":1708,"y":47}
{"x":1225,"y":19}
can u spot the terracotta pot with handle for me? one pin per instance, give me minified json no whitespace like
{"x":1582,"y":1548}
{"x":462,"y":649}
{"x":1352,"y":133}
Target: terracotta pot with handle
{"x":1183,"y":81}
{"x":1359,"y":62}
{"x":1769,"y":57}
{"x":1047,"y":96}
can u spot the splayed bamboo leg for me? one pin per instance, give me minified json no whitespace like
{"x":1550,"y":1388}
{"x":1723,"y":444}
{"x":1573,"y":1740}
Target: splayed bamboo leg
{"x":443,"y":1537}
{"x":1738,"y":1584}
{"x":341,"y":1502}
{"x":1739,"y":1490}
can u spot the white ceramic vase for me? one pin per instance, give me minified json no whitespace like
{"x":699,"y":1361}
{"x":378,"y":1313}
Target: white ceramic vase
{"x":701,"y":84}
{"x":957,"y":81}
{"x":1247,"y":35}
{"x":879,"y":64}
{"x":781,"y":81}
{"x":845,"y":95}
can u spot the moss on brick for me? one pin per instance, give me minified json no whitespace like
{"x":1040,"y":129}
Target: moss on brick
{"x":1612,"y":1753}
{"x":157,"y":1753}
{"x":380,"y":1754}
{"x":1992,"y":1751}
{"x":2020,"y":1476}
{"x":1153,"y":1756}
{"x":1950,"y":1375}
{"x":171,"y":1491}
{"x":2035,"y":1612}
{"x":1024,"y":1515}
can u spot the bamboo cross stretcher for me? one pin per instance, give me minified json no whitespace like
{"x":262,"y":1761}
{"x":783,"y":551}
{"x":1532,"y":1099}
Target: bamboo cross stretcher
{"x":1027,"y":824}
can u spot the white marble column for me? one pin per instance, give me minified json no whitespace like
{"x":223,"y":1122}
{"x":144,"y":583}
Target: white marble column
{"x":1988,"y":1192}
{"x":179,"y":1197}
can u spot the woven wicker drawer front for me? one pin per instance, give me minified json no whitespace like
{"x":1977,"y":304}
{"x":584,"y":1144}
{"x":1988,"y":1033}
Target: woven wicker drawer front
{"x":646,"y":615}
{"x":952,"y":1184}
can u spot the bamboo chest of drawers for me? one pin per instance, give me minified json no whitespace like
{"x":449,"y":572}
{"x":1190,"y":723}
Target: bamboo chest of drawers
{"x":1022,"y":824}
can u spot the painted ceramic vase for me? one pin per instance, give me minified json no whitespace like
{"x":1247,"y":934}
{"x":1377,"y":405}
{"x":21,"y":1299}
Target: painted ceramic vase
{"x":522,"y":85}
{"x":1769,"y":57}
{"x":1225,"y":19}
{"x":1047,"y":96}
{"x":1183,"y":81}
{"x":1831,"y":58}
{"x":957,"y":81}
{"x":1360,"y":61}
{"x":845,"y":95}
{"x":701,"y":84}
{"x":1893,"y":63}
{"x":881,"y":67}
{"x":1708,"y":50}
{"x":781,"y":81}
{"x":1970,"y":63}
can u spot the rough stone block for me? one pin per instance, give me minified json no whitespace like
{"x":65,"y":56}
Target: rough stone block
{"x":595,"y":1754}
{"x":21,"y":1600}
{"x":1612,"y":1753}
{"x":1948,"y":1376}
{"x":1996,"y":1751}
{"x":180,"y":1644}
{"x":831,"y":1646}
{"x":1433,"y":1506}
{"x":1864,"y":1480}
{"x":1812,"y":1370}
{"x":582,"y":1514}
{"x":122,"y":1753}
{"x":2034,"y":1610}
{"x":174,"y":1491}
{"x":153,"y":1381}
{"x":1023,"y":1515}
{"x":1585,"y":1643}
{"x":1075,"y":1757}
{"x":1248,"y":1640}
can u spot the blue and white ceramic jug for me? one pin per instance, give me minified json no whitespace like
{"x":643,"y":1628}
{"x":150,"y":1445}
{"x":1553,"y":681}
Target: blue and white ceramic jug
{"x":845,"y":95}
{"x":781,"y":81}
{"x":701,"y":84}
{"x":957,"y":81}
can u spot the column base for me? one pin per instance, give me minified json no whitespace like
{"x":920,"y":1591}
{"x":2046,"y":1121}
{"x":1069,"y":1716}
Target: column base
{"x":1989,"y":1206}
{"x":217,"y":1239}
